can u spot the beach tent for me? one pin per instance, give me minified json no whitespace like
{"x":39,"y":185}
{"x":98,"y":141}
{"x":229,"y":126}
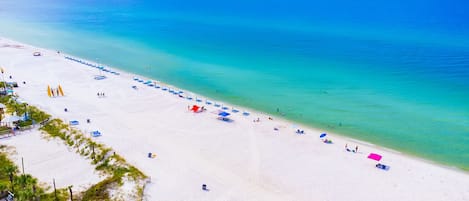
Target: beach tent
{"x":195,"y":108}
{"x":375,"y":157}
{"x":96,"y":133}
{"x":49,"y":92}
{"x":11,"y":119}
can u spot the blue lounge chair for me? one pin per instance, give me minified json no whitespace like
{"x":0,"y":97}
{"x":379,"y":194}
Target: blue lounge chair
{"x":235,"y":111}
{"x":74,"y":122}
{"x":246,"y":113}
{"x":216,"y":105}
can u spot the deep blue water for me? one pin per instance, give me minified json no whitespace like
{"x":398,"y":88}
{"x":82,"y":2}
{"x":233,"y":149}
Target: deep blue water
{"x":391,"y":73}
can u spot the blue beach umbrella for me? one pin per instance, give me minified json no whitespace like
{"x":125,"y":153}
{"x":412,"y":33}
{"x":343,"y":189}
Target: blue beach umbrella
{"x":223,"y":114}
{"x":322,"y":135}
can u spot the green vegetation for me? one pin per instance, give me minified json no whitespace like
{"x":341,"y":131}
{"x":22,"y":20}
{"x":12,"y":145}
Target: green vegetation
{"x":24,"y":186}
{"x":4,"y":130}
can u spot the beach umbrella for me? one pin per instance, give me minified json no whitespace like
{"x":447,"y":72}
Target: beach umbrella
{"x":223,"y":114}
{"x":322,"y":135}
{"x":375,"y":157}
{"x":195,"y":108}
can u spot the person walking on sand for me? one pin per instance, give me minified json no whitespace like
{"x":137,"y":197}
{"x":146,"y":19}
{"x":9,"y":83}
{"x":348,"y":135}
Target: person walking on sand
{"x":356,"y":149}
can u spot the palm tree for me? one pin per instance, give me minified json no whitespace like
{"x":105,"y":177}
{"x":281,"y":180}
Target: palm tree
{"x":28,"y":187}
{"x":71,"y":193}
{"x":10,"y":170}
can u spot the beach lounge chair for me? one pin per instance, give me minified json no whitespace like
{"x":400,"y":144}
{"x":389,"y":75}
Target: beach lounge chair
{"x":225,"y":119}
{"x":99,"y":77}
{"x":216,"y":105}
{"x":382,"y":166}
{"x":299,"y":132}
{"x":327,"y":141}
{"x":224,"y":108}
{"x":235,"y":111}
{"x":74,"y":122}
{"x":204,"y":187}
{"x":95,"y":133}
{"x":246,"y":113}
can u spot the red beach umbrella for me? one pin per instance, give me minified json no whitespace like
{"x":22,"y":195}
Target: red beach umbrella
{"x":195,"y":108}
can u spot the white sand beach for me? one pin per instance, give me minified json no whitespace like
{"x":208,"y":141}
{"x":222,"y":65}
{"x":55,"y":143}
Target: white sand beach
{"x":241,"y":160}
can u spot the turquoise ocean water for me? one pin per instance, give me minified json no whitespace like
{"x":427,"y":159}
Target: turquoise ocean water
{"x":393,"y":74}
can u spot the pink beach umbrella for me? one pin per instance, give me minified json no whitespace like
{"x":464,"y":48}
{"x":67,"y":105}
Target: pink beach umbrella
{"x":375,"y":157}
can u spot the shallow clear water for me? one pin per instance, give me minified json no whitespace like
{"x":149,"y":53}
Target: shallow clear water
{"x":394,"y":74}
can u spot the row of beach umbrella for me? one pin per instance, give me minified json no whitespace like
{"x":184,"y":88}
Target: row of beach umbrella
{"x":180,"y":93}
{"x":101,"y":68}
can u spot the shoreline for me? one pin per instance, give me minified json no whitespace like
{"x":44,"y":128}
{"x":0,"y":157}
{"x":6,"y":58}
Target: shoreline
{"x":264,"y":128}
{"x":131,"y":75}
